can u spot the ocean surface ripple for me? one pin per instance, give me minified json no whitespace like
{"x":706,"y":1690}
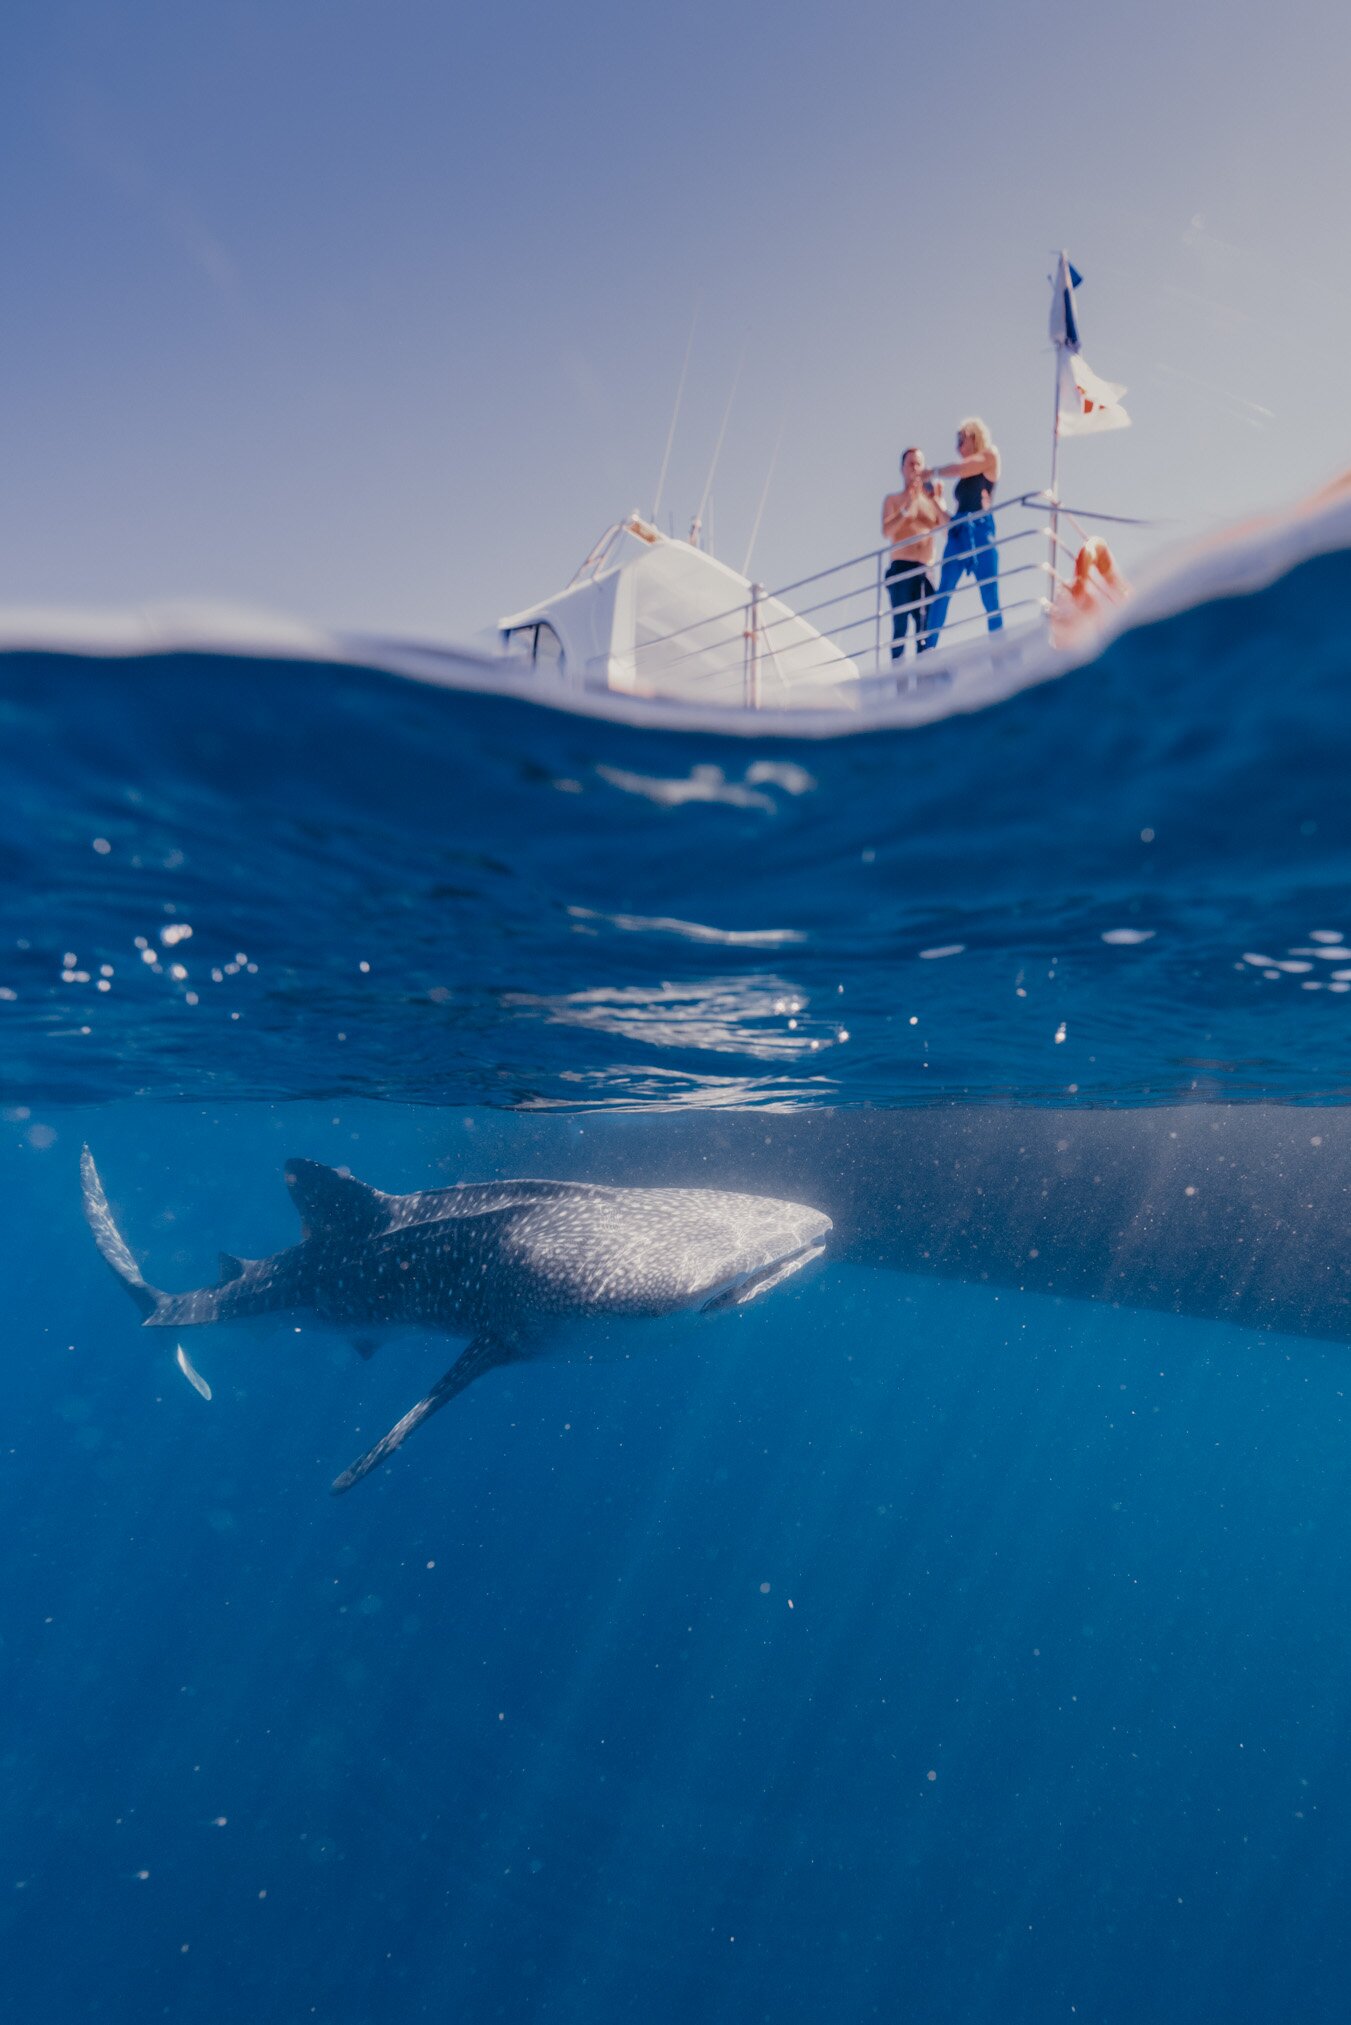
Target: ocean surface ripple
{"x":233,"y":876}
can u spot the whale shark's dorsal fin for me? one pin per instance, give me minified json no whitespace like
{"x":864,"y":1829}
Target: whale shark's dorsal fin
{"x":231,"y":1268}
{"x":331,"y":1204}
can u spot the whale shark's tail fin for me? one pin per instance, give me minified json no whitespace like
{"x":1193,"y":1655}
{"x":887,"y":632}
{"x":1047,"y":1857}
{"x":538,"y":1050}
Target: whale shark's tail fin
{"x":481,"y":1356}
{"x":111,"y":1242}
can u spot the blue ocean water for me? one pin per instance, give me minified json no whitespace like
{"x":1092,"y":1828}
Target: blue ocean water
{"x":936,"y":1648}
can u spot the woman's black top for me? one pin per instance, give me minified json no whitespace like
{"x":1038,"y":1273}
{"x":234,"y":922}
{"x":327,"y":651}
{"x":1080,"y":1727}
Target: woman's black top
{"x":973,"y":494}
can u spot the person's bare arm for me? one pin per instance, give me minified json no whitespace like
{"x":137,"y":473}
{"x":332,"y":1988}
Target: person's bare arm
{"x":987,"y":464}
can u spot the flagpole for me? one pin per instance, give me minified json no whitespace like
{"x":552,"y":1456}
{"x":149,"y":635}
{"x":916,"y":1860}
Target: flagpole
{"x":1055,"y":458}
{"x":1096,"y":404}
{"x":1055,"y":475}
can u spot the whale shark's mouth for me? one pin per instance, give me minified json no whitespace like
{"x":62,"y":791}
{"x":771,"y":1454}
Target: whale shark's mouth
{"x":750,"y":1285}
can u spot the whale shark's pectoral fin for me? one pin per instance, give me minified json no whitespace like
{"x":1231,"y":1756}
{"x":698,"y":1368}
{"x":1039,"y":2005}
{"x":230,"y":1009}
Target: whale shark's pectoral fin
{"x":335,"y":1205}
{"x":481,"y":1355}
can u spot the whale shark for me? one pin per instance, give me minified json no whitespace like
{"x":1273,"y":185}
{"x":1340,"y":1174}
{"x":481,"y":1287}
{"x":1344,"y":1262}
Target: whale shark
{"x":520,"y":1268}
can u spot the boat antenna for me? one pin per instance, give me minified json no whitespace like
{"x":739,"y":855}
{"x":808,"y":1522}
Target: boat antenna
{"x":697,"y":523}
{"x":675,"y":416}
{"x":760,"y":509}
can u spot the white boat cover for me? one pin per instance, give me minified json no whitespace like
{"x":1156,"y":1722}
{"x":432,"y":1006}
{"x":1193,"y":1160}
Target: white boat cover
{"x":657,"y":617}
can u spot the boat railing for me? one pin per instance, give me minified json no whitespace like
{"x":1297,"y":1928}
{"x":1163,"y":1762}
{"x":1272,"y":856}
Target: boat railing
{"x":776,"y":644}
{"x":593,"y":563}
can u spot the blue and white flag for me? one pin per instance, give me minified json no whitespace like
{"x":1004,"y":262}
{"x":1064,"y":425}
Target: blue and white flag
{"x":1064,"y":323}
{"x":1085,"y":405}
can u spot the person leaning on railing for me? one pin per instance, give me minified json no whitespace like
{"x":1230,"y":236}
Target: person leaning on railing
{"x":971,"y":538}
{"x":909,"y":519}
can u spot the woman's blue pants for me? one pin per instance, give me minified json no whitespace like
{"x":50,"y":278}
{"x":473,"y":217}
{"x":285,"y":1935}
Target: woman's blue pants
{"x":969,"y":547}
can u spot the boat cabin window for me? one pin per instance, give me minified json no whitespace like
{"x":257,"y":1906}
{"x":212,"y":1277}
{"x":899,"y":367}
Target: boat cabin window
{"x":548,"y":646}
{"x":536,"y":643}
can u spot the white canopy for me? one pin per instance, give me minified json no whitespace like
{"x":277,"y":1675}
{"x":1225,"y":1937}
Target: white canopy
{"x":652,"y":616}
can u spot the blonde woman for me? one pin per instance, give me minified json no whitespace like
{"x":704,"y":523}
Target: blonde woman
{"x":970,"y":543}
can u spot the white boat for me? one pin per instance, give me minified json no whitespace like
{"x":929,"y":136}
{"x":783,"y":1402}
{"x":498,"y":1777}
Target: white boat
{"x":655,"y":631}
{"x":648,"y":616}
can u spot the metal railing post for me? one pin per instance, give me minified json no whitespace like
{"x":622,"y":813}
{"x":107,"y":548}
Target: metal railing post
{"x":753,"y":647}
{"x":877,"y":629}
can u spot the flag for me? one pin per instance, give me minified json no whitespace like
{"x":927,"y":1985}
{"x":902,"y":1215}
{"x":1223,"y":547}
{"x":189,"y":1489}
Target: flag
{"x":1064,"y":323}
{"x":1086,"y":405}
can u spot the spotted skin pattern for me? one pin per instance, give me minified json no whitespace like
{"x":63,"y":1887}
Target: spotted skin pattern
{"x":513,"y":1265}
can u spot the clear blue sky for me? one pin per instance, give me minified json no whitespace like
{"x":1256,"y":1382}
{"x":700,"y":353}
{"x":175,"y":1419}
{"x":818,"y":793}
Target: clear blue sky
{"x":373,"y":314}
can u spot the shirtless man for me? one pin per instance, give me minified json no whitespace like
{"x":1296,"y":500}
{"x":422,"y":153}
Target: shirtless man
{"x":909,"y":521}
